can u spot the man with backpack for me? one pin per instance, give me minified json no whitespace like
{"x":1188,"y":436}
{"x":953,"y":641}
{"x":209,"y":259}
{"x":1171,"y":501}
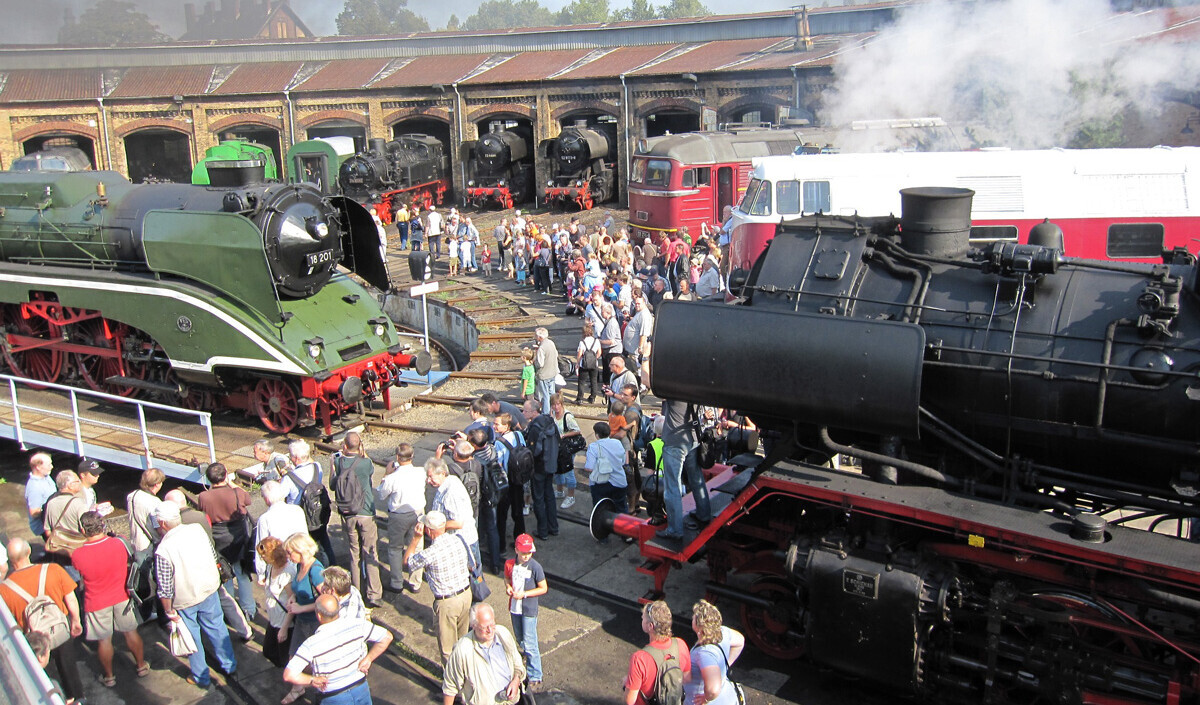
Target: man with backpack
{"x":227,"y":507}
{"x":41,"y":598}
{"x":103,"y":565}
{"x":306,"y":488}
{"x":352,"y":474}
{"x":658,"y":671}
{"x":542,"y":437}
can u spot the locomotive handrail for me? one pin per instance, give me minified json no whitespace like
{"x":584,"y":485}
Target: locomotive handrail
{"x":76,"y":443}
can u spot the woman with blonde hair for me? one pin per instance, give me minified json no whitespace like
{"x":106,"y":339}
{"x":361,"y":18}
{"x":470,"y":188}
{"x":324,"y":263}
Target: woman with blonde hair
{"x":717,"y":647}
{"x":277,"y":584}
{"x":301,"y":551}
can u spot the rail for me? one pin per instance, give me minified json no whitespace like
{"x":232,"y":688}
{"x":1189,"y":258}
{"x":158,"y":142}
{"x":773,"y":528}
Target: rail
{"x":52,"y":432}
{"x":23,"y":680}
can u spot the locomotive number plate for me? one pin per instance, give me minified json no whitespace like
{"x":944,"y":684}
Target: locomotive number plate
{"x":317,"y":258}
{"x":861,"y":584}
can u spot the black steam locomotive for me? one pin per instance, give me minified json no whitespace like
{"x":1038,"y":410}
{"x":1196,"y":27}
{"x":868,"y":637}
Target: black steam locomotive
{"x":583,"y":166}
{"x":980,"y":481}
{"x":409,"y":169}
{"x":501,"y":168}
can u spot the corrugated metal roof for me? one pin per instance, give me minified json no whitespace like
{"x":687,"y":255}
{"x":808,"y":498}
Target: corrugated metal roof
{"x":259,"y":78}
{"x":707,"y":57}
{"x":428,"y":71}
{"x":52,"y":85}
{"x":351,"y":73}
{"x":824,"y":53}
{"x":615,"y":63}
{"x":529,"y":66}
{"x":163,"y":80}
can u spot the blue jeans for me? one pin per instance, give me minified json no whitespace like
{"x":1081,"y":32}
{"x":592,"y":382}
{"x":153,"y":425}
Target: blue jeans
{"x":243,"y":590}
{"x":206,"y":618}
{"x":403,"y":230}
{"x":545,"y":388}
{"x":541,"y":486}
{"x":489,"y":540}
{"x":680,"y":461}
{"x":566,"y":479}
{"x":525,"y":632}
{"x":359,"y":694}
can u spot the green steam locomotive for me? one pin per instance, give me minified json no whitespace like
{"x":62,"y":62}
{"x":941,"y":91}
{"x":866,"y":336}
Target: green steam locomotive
{"x":211,"y":297}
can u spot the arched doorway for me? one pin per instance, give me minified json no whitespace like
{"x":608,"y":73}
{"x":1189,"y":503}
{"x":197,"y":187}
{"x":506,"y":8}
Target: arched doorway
{"x":258,"y":134}
{"x":37,"y":144}
{"x":750,"y":114}
{"x":341,"y":128}
{"x":439,"y":129}
{"x":671,"y":121}
{"x":158,"y":155}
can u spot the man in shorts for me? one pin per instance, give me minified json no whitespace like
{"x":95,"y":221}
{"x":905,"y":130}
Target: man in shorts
{"x":103,"y":564}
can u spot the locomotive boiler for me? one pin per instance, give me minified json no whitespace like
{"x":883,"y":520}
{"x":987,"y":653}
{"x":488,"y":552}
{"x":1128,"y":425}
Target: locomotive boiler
{"x":410,"y":169}
{"x":980,"y":480}
{"x":210,"y":297}
{"x":501,"y":168}
{"x":583,"y":168}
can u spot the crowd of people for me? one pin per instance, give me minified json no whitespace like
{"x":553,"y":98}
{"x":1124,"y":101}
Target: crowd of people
{"x":447,"y":519}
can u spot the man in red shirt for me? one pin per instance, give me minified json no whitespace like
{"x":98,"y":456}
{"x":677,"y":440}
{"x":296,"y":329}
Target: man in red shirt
{"x":60,"y":588}
{"x":103,"y":564}
{"x":643,"y":673}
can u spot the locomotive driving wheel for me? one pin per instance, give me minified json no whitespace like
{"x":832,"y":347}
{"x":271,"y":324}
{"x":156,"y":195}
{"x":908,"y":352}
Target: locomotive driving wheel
{"x":274,"y":402}
{"x":95,"y":369}
{"x":25,"y":358}
{"x":774,"y":628}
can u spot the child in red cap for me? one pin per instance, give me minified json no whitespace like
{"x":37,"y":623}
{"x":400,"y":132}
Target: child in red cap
{"x":525,"y":582}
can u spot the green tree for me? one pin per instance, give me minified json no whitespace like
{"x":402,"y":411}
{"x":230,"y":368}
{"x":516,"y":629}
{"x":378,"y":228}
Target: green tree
{"x":683,"y":8}
{"x":366,"y":17}
{"x":503,"y":14}
{"x":453,"y":23}
{"x":109,"y":23}
{"x":638,"y":11}
{"x":584,"y":12}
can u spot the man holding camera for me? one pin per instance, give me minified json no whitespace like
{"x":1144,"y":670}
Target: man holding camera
{"x":446,"y":569}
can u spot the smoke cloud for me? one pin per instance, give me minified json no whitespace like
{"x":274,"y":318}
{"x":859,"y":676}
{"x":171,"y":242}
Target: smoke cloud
{"x":1020,"y":73}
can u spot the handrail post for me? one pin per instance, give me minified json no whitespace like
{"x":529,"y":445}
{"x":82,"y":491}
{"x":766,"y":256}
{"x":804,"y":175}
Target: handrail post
{"x":12,"y":390}
{"x":78,"y":428}
{"x":145,"y":439}
{"x":206,"y":419}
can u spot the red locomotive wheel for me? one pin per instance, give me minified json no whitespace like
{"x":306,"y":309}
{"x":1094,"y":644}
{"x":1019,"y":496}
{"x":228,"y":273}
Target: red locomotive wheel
{"x":274,"y":402}
{"x":94,"y":369}
{"x":772,"y":629}
{"x":43,"y":364}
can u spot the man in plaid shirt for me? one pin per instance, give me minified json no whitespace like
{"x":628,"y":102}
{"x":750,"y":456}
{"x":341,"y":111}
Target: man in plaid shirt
{"x":446,"y":570}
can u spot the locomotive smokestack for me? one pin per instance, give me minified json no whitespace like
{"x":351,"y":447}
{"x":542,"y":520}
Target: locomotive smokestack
{"x":935,"y":220}
{"x":377,"y":144}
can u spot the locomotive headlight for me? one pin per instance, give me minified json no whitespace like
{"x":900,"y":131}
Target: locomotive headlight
{"x":378,"y":325}
{"x":550,"y":182}
{"x":501,"y":183}
{"x":579,"y":184}
{"x":471,"y":182}
{"x":380,"y":330}
{"x":322,"y":230}
{"x":314,"y":351}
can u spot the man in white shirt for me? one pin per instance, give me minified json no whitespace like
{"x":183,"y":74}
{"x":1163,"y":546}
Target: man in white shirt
{"x":402,"y":493}
{"x":710,"y":279}
{"x":281,"y":520}
{"x":453,"y":500}
{"x":433,"y":230}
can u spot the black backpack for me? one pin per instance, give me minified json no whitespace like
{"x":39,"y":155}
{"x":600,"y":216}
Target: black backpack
{"x":668,"y":679}
{"x":590,"y":359}
{"x":520,"y":462}
{"x":351,"y":497}
{"x":494,"y":483}
{"x":314,"y":499}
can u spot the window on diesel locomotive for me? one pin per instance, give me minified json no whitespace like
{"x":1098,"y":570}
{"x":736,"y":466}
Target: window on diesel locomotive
{"x":787,"y":197}
{"x":689,"y":178}
{"x":816,"y":197}
{"x":658,"y":172}
{"x":639,"y":171}
{"x":700,"y":176}
{"x":1135,"y":240}
{"x":749,"y":194}
{"x":761,"y":205}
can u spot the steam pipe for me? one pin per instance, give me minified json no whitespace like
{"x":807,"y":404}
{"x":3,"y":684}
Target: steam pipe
{"x":104,"y":135}
{"x":287,"y":98}
{"x":919,"y":280}
{"x":915,"y":468}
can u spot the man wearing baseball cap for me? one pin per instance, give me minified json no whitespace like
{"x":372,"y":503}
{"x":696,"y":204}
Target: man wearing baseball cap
{"x":525,"y":582}
{"x":446,"y":569}
{"x":89,"y":474}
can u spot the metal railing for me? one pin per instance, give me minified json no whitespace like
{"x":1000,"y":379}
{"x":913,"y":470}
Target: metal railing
{"x":21,"y":677}
{"x":77,"y":444}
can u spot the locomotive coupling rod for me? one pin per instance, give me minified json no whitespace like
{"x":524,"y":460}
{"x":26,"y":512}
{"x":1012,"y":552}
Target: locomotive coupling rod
{"x":739,"y":596}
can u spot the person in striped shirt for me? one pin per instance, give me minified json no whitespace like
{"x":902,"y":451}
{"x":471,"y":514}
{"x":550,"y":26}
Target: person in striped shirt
{"x":337,"y":656}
